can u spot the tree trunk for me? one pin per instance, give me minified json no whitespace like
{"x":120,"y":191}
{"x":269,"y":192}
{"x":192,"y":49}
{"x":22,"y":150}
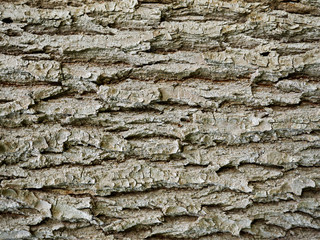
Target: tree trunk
{"x":159,"y":119}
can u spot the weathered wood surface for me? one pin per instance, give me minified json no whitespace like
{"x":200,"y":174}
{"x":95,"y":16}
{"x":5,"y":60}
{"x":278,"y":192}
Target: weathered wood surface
{"x":159,"y":119}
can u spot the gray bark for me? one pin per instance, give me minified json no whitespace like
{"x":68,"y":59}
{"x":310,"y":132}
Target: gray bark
{"x":159,"y":119}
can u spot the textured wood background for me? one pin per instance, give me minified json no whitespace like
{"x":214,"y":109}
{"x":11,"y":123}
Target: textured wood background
{"x":159,"y":119}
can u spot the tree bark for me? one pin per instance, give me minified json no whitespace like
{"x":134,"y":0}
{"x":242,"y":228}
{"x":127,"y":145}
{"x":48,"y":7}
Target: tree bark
{"x":159,"y":119}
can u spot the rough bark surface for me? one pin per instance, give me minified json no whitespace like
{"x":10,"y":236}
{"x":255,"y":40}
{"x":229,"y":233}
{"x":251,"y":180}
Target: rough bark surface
{"x":159,"y":119}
